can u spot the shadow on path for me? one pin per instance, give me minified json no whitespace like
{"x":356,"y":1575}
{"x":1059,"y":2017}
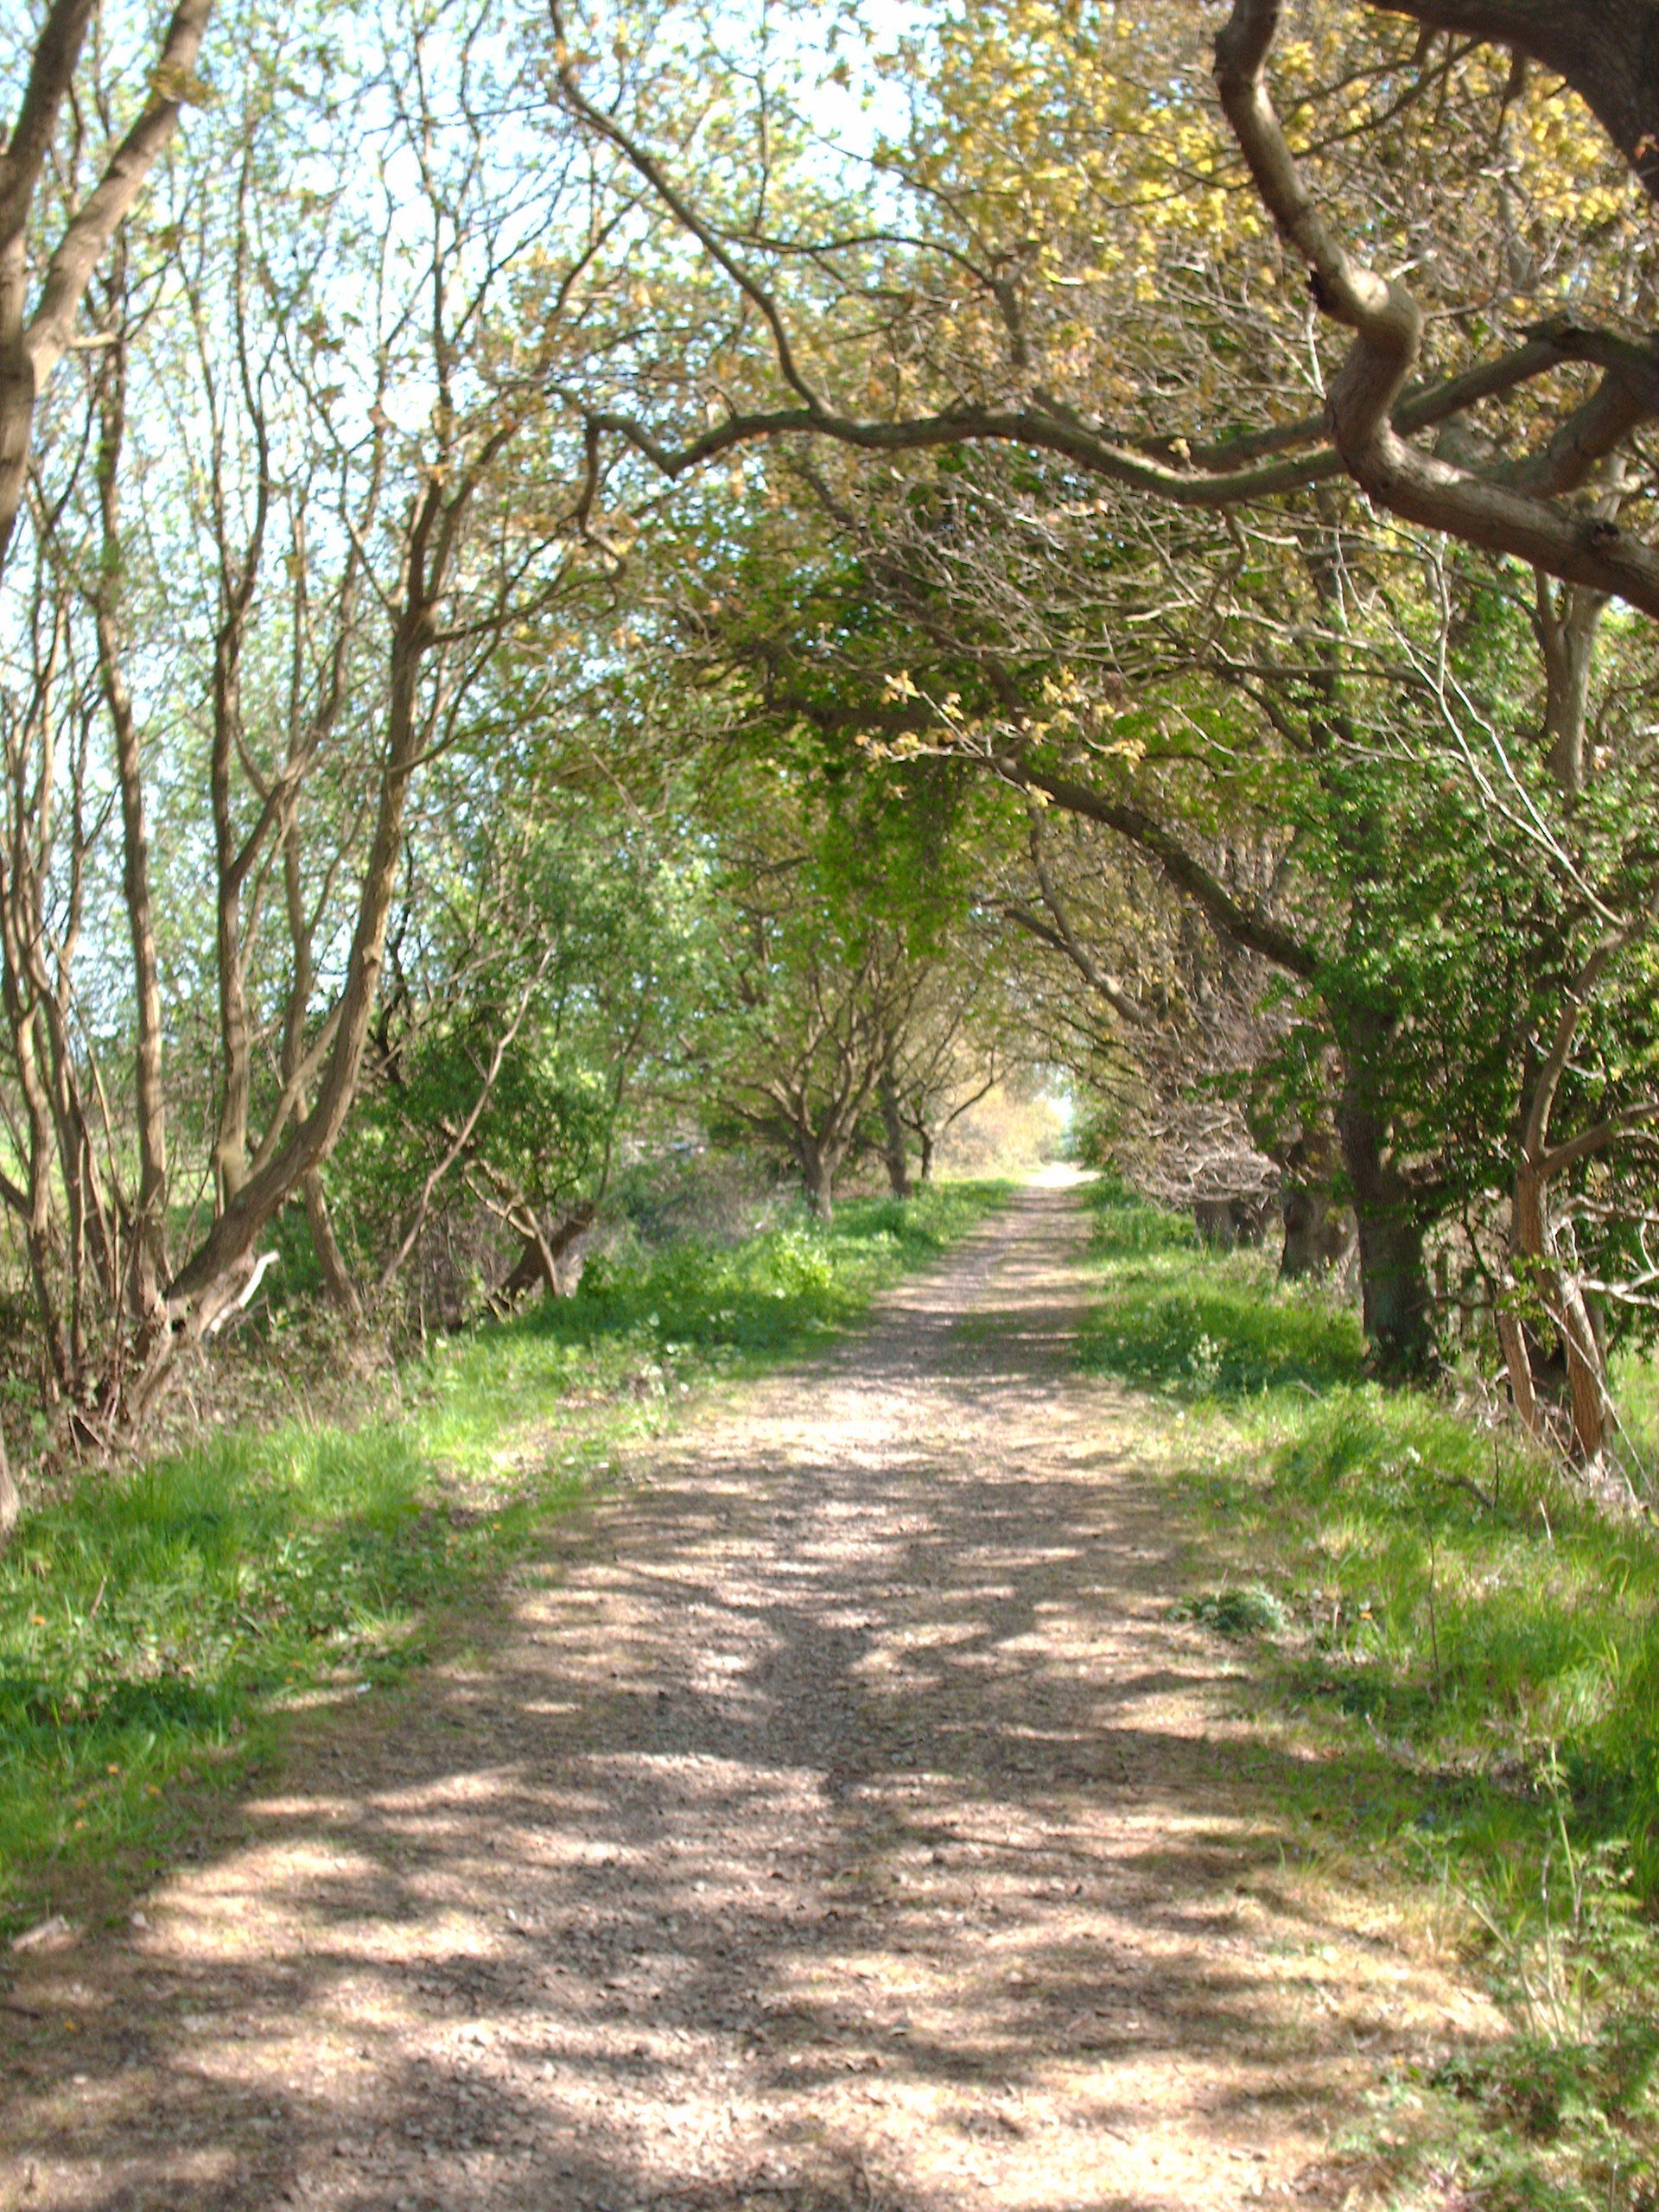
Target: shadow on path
{"x":833,"y":1818}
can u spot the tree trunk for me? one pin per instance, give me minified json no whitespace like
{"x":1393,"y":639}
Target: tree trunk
{"x":234,"y":857}
{"x":10,"y":1504}
{"x":1586,"y":1381}
{"x":1517,"y":1361}
{"x":1395,"y":1299}
{"x":818,"y":1166}
{"x":338,"y":1287}
{"x":544,"y":1259}
{"x":36,"y":1208}
{"x":195,"y":1290}
{"x":150,"y":1211}
{"x":1537,"y":1266}
{"x":1316,"y":1230}
{"x":894,"y":1148}
{"x":925,"y":1164}
{"x":1526,"y":1254}
{"x":1217,"y":1222}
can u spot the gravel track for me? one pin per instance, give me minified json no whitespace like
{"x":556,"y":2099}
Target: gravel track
{"x":831,"y":1817}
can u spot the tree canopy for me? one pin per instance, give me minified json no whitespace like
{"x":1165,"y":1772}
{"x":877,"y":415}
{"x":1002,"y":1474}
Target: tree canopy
{"x":589,"y":581}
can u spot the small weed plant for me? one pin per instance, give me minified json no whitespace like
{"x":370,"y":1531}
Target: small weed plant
{"x":1467,"y":1652}
{"x":1255,"y":1611}
{"x":154,"y":1623}
{"x":1564,"y":2113}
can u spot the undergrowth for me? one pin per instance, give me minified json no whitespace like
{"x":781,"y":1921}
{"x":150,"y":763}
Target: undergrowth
{"x":1467,"y":1655}
{"x":153,"y":1622}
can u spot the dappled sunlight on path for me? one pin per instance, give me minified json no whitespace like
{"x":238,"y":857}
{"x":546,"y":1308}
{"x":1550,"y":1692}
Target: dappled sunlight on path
{"x":833,"y":1817}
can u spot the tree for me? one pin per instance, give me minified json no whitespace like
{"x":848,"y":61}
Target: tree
{"x":825,"y":960}
{"x":1573,"y":798}
{"x":977,"y":265}
{"x":315,"y":398}
{"x":959,"y":1039}
{"x":39,"y":307}
{"x":954,"y":326}
{"x":509,"y":1057}
{"x":1286,"y":743}
{"x":814,"y":1002}
{"x":1515,"y":511}
{"x":1192,"y":1019}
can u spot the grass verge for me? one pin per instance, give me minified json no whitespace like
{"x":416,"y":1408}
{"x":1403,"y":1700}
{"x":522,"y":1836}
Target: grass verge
{"x":154,"y":1624}
{"x":1467,"y":1657}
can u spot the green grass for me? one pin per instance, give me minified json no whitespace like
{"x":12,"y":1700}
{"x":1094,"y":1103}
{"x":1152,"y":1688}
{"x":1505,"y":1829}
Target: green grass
{"x":1470,"y":1655}
{"x":1636,"y":1393}
{"x":1173,"y":1318}
{"x":153,"y":1624}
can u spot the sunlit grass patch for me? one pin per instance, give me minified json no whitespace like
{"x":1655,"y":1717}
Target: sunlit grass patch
{"x":1467,"y":1654}
{"x":149,"y":1622}
{"x":1174,"y":1318}
{"x":152,"y":1622}
{"x":767,"y":1292}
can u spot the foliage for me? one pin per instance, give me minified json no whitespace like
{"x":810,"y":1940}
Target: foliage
{"x":1252,"y":1612}
{"x":519,"y":1034}
{"x":436,"y":546}
{"x":832,"y":976}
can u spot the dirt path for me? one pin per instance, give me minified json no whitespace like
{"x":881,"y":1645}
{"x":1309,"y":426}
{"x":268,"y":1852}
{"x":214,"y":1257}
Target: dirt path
{"x":833,"y":1818}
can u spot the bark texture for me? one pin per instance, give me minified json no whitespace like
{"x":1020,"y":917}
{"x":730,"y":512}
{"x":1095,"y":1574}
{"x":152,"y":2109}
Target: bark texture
{"x":895,"y":1149}
{"x":10,"y":1504}
{"x":1396,"y":1297}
